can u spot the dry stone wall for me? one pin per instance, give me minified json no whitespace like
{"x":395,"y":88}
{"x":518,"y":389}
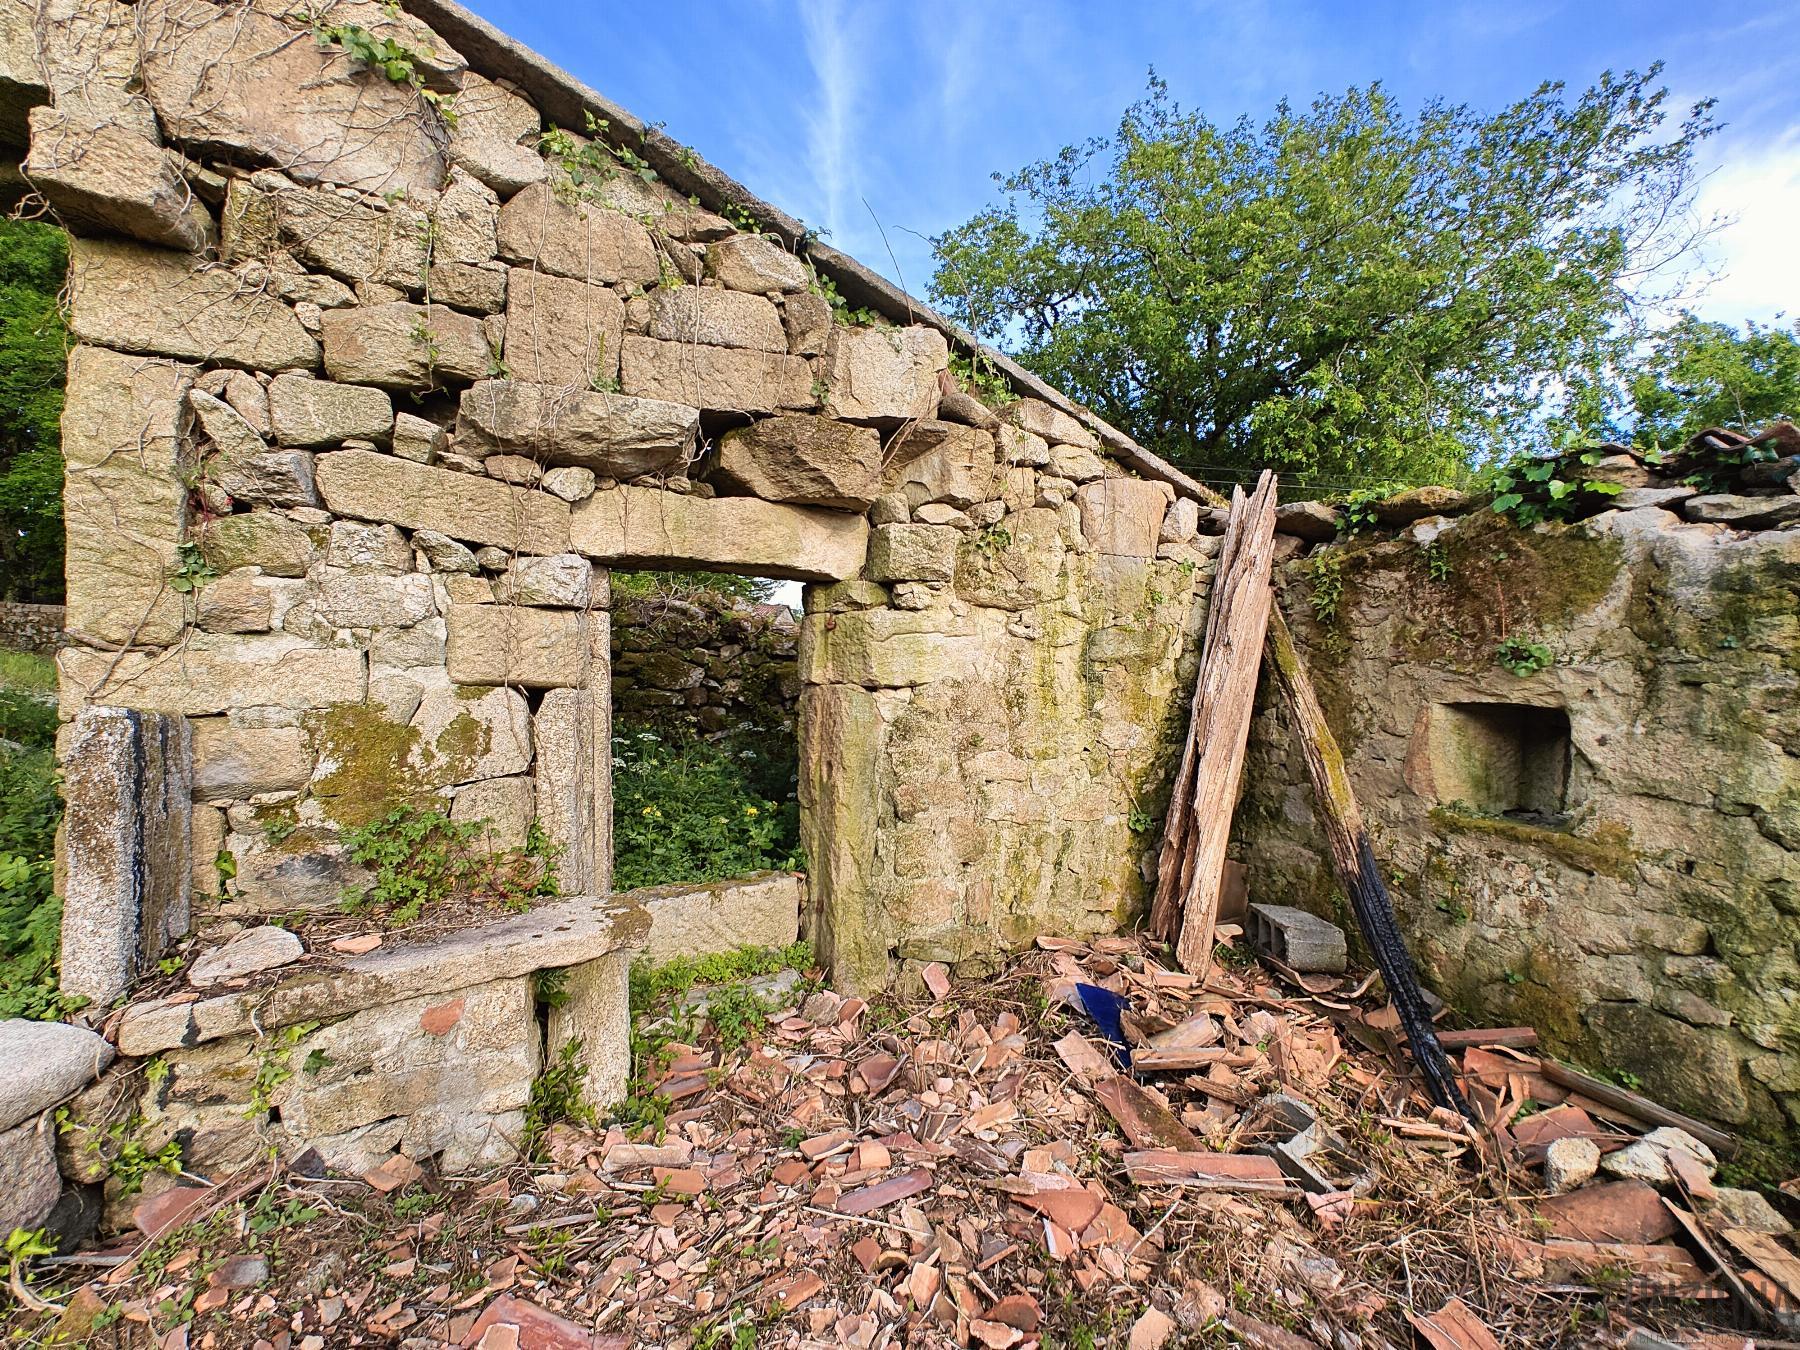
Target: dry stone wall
{"x":1606,"y":848}
{"x":31,"y":628}
{"x":705,"y":662}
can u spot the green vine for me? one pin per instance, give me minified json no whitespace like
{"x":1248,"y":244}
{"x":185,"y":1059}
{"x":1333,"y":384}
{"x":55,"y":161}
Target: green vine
{"x":1533,"y":489}
{"x":1325,"y":572}
{"x":588,"y":163}
{"x":399,"y":63}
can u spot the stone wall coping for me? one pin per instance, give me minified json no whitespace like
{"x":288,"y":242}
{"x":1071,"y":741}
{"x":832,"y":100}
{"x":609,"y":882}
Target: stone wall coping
{"x":568,"y":932}
{"x":564,"y":100}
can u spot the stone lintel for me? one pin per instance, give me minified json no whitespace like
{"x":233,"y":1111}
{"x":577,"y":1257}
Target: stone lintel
{"x":646,"y":527}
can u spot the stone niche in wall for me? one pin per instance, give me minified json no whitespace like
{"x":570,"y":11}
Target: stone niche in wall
{"x":1607,"y":848}
{"x":1498,"y":759}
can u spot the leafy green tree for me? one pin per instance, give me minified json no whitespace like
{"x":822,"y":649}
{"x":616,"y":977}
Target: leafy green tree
{"x":1346,"y":292}
{"x":1698,"y":374}
{"x":33,"y":356}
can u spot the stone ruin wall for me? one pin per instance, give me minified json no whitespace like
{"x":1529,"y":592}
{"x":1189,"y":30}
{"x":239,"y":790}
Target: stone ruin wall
{"x":1652,"y":928}
{"x":365,"y":406}
{"x":31,"y":628}
{"x":366,"y":403}
{"x":705,"y":663}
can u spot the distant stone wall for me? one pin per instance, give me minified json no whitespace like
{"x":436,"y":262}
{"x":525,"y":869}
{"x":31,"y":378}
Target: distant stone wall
{"x":704,"y":662}
{"x":31,"y":628}
{"x":1607,"y":849}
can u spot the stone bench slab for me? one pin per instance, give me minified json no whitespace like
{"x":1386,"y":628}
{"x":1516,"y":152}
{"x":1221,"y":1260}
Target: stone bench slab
{"x":700,"y":918}
{"x":569,"y":932}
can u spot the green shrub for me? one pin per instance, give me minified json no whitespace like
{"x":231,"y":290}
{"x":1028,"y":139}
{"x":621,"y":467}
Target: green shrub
{"x":30,"y":917}
{"x":683,"y":585}
{"x":423,"y":858}
{"x":690,"y":809}
{"x":27,"y":719}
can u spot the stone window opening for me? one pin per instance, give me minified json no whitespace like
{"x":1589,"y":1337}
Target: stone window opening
{"x":1503,"y":759}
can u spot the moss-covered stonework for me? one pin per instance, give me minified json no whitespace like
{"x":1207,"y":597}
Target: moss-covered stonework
{"x":1005,"y":766}
{"x":1648,"y":927}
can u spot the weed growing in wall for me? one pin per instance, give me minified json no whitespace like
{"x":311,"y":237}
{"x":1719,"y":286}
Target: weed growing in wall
{"x":979,"y":376}
{"x":690,"y":809}
{"x":1522,"y":656}
{"x":1326,"y":573}
{"x":423,"y":859}
{"x":1531,"y":489}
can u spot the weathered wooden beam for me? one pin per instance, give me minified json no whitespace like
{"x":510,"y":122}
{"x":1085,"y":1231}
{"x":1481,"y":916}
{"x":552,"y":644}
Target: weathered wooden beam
{"x":1190,"y":871}
{"x":1347,"y":841}
{"x":1634,"y":1104}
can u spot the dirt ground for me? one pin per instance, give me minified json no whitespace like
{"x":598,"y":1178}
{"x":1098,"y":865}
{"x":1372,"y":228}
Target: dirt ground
{"x":967,"y":1167}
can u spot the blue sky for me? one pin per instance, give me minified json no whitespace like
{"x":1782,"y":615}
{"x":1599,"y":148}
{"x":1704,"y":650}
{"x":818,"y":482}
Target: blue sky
{"x":909,"y":105}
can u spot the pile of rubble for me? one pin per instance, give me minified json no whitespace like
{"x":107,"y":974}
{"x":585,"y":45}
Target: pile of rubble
{"x":1092,"y":1148}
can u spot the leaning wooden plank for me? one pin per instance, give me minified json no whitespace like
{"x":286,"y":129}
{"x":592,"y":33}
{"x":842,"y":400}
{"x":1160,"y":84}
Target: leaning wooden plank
{"x":1178,"y":824}
{"x":1225,"y":697}
{"x":1635,"y":1104}
{"x":1354,"y":861}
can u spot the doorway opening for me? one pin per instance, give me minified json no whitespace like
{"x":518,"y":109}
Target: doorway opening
{"x":705,"y":700}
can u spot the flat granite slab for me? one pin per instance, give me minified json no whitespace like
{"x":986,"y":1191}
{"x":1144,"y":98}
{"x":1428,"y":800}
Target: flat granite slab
{"x":568,"y":932}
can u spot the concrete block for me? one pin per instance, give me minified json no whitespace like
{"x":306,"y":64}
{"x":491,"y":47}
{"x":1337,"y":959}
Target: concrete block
{"x":1304,"y":941}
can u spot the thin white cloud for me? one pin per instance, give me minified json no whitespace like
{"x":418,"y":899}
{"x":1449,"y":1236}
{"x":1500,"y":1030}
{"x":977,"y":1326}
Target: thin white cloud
{"x":1755,"y":259}
{"x":829,"y":31}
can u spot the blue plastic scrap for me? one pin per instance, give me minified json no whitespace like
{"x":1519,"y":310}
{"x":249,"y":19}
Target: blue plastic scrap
{"x":1104,"y":1007}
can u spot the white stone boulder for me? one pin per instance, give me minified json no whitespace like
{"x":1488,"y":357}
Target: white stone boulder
{"x":1569,"y":1163}
{"x":611,"y":435}
{"x":805,"y":460}
{"x":109,"y":177}
{"x":886,"y":375}
{"x":404,"y":346}
{"x":716,"y":379}
{"x":576,"y":239}
{"x":251,"y":951}
{"x":46,"y":1064}
{"x":240,"y":80}
{"x":565,"y":581}
{"x":137,"y":299}
{"x":749,"y":262}
{"x":311,"y":413}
